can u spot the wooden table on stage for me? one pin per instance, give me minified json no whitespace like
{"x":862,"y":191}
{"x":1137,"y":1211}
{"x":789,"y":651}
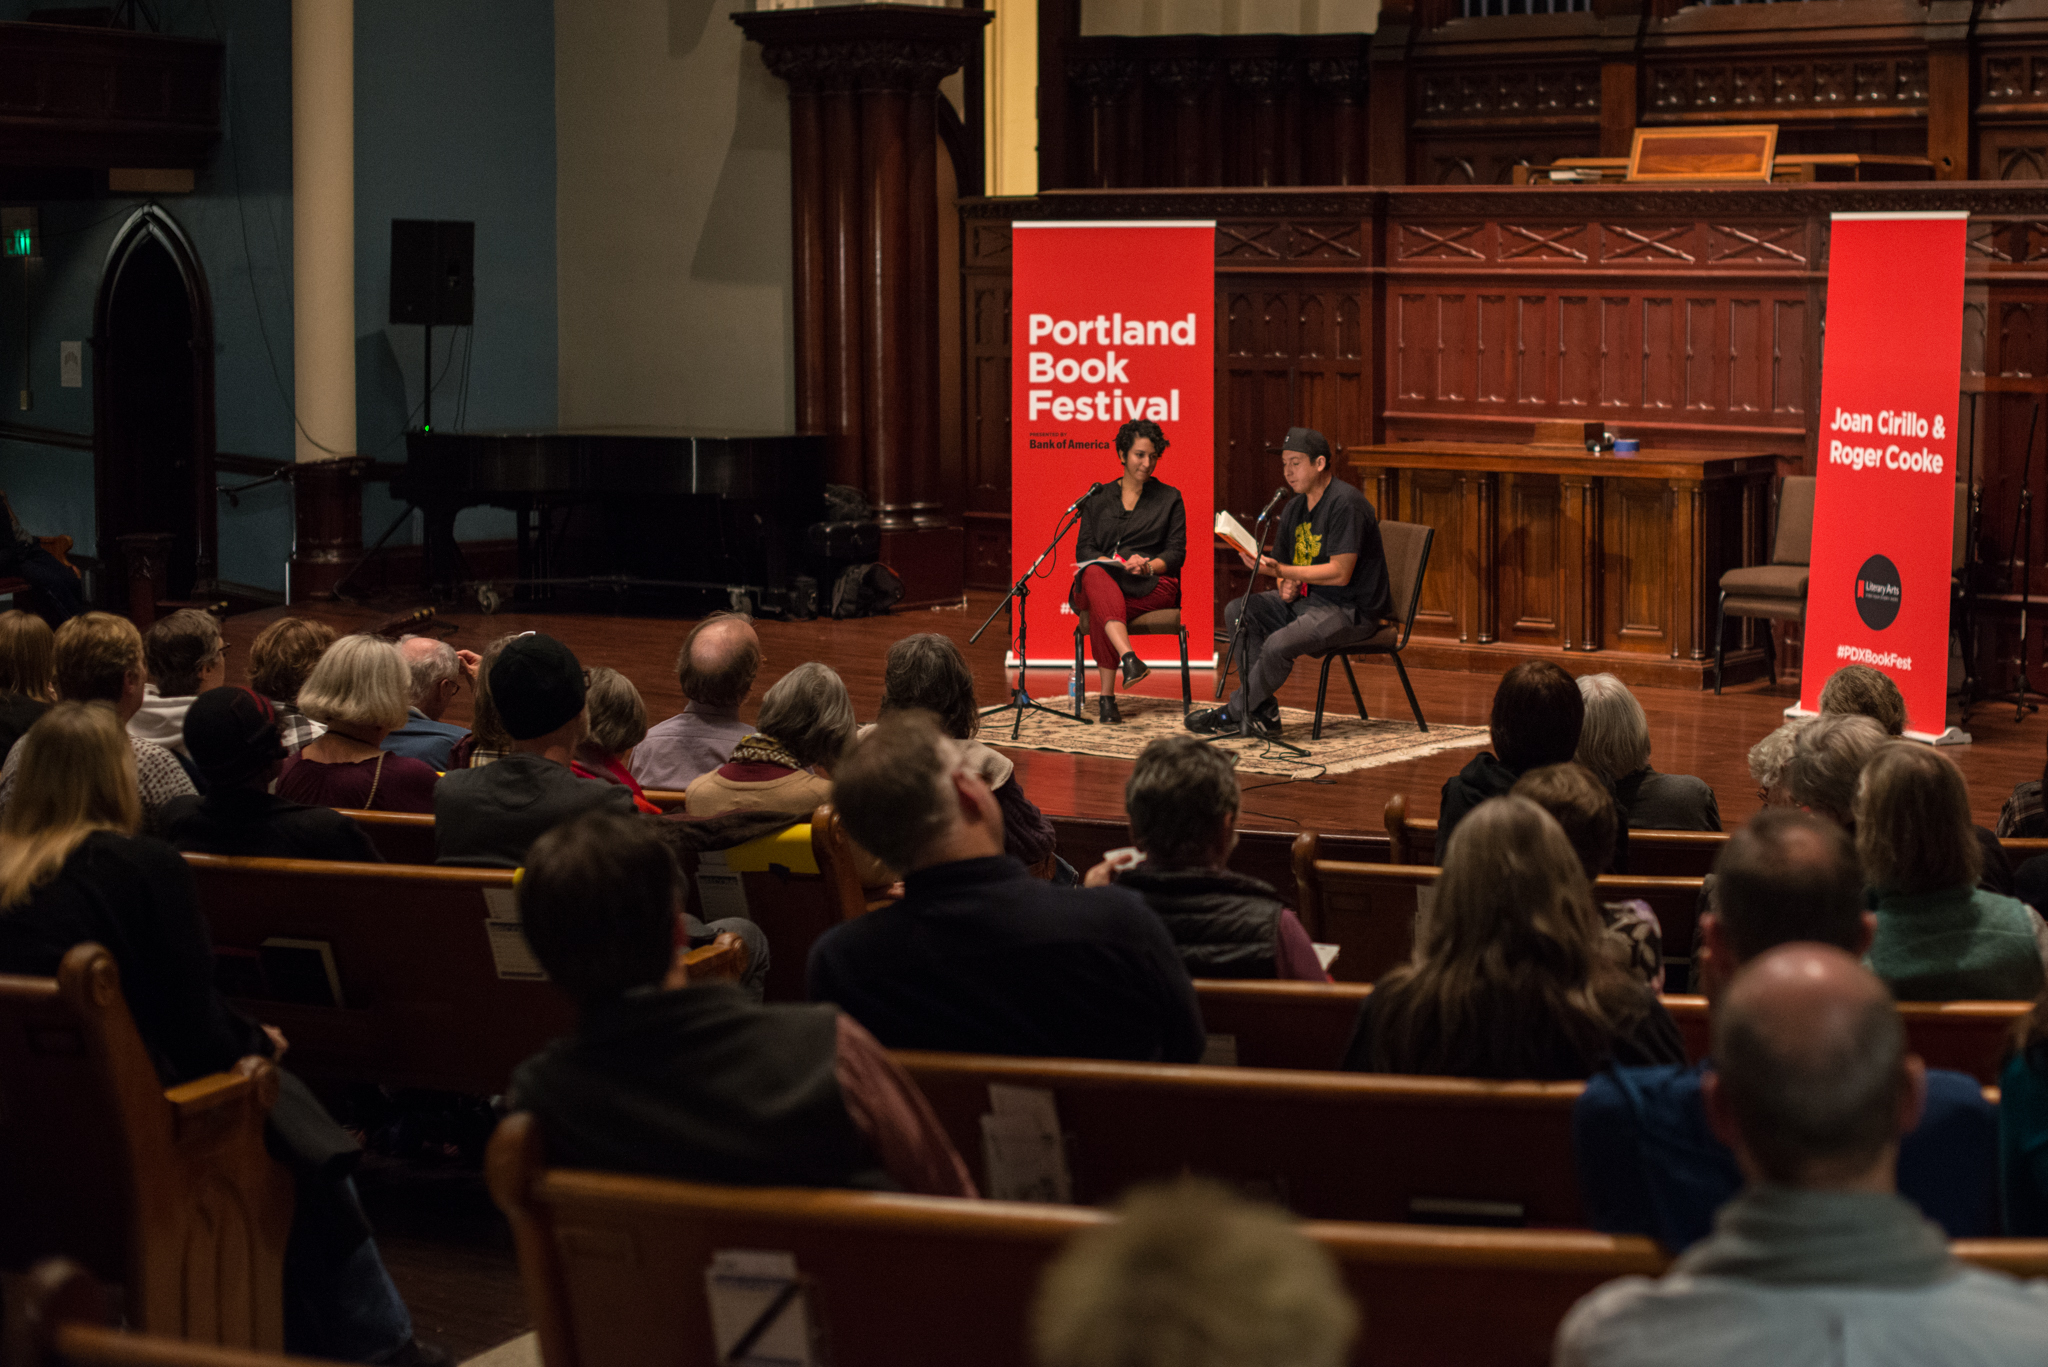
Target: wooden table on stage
{"x":1614,"y":561}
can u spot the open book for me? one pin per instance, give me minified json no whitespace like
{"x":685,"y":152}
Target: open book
{"x":1231,"y":533}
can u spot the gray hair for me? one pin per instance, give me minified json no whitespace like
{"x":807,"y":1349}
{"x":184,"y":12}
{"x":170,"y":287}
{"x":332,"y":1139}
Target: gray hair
{"x":1193,"y":1275}
{"x":1859,"y":690}
{"x":618,"y":715}
{"x":1179,"y":792}
{"x":361,"y":681}
{"x":1771,"y":756}
{"x":1828,"y":758}
{"x":808,"y":713}
{"x":1614,"y":741}
{"x":429,"y":666}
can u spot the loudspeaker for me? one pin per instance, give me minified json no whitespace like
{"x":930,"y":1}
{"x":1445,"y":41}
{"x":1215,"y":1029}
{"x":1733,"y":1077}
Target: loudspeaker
{"x":433,"y":272}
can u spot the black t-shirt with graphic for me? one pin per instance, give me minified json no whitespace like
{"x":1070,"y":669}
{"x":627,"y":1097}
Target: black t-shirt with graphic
{"x":1341,"y":523}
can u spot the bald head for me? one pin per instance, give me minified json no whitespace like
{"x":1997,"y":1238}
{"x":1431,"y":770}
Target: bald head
{"x":436,"y":674}
{"x":1812,"y":1086}
{"x":719,"y":659}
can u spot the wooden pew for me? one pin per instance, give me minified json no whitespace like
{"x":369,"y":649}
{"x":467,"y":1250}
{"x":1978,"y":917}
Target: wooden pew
{"x":1369,"y":909}
{"x":1339,"y":1146}
{"x":785,"y":886}
{"x":1969,"y":1037}
{"x":169,"y":1192}
{"x":70,"y":1316}
{"x":614,"y":1268}
{"x":1282,"y":1024}
{"x":1263,"y":854}
{"x":668,"y":799}
{"x":401,"y":837}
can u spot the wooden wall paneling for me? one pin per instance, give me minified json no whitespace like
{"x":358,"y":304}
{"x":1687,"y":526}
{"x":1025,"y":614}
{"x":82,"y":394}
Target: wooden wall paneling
{"x":985,"y":371}
{"x":1531,"y":537}
{"x":1579,"y":561}
{"x":1637,"y":613}
{"x":1684,"y":570}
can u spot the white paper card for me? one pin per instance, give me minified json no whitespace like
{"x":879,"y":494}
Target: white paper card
{"x":759,"y":1317}
{"x":1220,"y":1051}
{"x":1022,"y":1151}
{"x":719,"y":888}
{"x":510,"y":952}
{"x":502,"y":904}
{"x":1327,"y":954}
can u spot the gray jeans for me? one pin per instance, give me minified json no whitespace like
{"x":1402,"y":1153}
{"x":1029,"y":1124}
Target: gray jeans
{"x":1275,"y":634}
{"x":751,"y":935}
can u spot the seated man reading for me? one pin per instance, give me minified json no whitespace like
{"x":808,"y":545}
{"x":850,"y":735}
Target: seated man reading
{"x":697,"y":1080}
{"x":1332,"y":577}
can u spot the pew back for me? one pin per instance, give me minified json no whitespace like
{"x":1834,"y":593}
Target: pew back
{"x":1968,"y":1037}
{"x":781,"y":883}
{"x":1338,"y":1146}
{"x":401,"y":837}
{"x":615,"y":1271}
{"x":1272,"y":1024}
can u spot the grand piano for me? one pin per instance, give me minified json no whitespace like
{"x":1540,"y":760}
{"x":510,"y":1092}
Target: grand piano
{"x":624,"y":510}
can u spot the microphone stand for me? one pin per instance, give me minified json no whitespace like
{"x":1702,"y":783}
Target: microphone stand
{"x":1020,"y":593}
{"x":2023,"y":552}
{"x":1244,"y":722}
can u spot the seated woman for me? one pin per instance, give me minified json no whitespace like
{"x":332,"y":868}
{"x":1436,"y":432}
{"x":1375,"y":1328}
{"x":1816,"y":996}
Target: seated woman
{"x":1614,"y":743}
{"x":806,"y":724}
{"x":1583,"y":808}
{"x":1142,"y":526}
{"x":359,"y":691}
{"x":488,"y":740}
{"x":73,"y":870}
{"x":1940,"y":937}
{"x":928,"y":671}
{"x":281,"y":658}
{"x":618,"y":722}
{"x":235,"y":737}
{"x":28,"y":674}
{"x":1512,"y":978}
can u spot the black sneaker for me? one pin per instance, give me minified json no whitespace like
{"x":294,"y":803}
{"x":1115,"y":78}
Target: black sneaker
{"x":1134,"y":668}
{"x":1266,"y":721}
{"x":1210,"y":721}
{"x":1106,"y":709}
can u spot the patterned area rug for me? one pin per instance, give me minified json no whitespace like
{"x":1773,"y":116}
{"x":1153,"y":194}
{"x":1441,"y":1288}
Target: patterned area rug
{"x":1347,"y":742}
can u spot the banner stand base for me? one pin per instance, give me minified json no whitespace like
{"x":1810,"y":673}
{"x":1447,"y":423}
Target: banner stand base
{"x":1954,"y":735}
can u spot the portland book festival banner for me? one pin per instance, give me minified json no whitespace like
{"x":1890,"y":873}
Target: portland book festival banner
{"x":1110,"y":322}
{"x":1884,"y":499}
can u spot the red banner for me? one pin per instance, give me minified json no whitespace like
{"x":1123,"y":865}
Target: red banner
{"x":1110,"y":322}
{"x":1883,"y":515}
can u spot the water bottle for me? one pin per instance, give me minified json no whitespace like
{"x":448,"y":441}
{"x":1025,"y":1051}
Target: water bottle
{"x":1074,"y":691}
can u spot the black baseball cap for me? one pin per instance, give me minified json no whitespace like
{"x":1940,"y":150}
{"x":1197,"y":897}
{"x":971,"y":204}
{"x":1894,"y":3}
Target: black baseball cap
{"x":1309,"y":442}
{"x":232,"y":736}
{"x":536,"y":685}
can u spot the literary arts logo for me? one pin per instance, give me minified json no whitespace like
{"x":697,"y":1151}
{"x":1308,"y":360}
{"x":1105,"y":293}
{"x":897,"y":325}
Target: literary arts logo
{"x":1877,"y":593}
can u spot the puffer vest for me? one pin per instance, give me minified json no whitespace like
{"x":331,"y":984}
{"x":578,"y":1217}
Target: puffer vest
{"x":1225,"y":925}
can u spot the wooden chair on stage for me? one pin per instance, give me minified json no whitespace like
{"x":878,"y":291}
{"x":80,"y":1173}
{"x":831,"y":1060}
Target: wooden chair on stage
{"x":1162,"y":622}
{"x":615,"y":1271}
{"x":1776,"y":590}
{"x":169,"y":1192}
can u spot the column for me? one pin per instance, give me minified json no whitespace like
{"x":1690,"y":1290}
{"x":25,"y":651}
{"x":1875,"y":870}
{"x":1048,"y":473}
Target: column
{"x":329,"y":505}
{"x":863,"y":84}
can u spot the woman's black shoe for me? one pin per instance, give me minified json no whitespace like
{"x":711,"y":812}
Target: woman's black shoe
{"x":1134,"y":668}
{"x":1105,"y":708}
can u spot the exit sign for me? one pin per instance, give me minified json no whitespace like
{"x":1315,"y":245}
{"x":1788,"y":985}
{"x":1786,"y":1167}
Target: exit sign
{"x":18,"y":233}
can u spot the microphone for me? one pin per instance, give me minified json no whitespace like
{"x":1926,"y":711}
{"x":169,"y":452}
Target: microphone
{"x":1279,"y":494}
{"x":1092,"y":490}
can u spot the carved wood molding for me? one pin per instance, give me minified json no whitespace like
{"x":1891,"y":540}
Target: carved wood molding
{"x":864,"y":47}
{"x":1785,"y":87}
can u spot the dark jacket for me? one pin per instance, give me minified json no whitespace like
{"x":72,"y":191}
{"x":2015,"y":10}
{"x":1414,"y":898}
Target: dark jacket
{"x":254,"y":824}
{"x":1225,"y":924}
{"x":702,"y":1084}
{"x":1482,"y":778}
{"x":1649,"y":1162}
{"x":490,"y":817}
{"x":980,"y":957}
{"x":18,"y":712}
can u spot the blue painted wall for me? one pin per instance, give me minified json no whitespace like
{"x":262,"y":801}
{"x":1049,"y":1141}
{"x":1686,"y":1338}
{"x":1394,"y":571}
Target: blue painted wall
{"x":454,"y":119}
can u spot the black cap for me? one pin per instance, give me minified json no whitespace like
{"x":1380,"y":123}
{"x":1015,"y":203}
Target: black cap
{"x":536,"y":685}
{"x":1309,"y":442}
{"x":232,"y":735}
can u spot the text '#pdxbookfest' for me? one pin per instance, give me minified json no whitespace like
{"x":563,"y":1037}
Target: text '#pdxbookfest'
{"x":1110,"y":322}
{"x":1877,"y":589}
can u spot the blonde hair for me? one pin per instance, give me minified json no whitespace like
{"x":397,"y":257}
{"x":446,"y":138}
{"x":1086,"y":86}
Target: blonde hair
{"x":618,"y":715}
{"x":361,"y":681}
{"x":28,"y":656}
{"x":1193,"y":1275}
{"x":1913,"y":821}
{"x":96,"y":655}
{"x":76,"y":775}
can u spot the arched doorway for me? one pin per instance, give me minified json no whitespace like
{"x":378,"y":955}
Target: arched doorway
{"x":153,"y":405}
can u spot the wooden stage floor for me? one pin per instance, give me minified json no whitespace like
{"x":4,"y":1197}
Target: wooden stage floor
{"x":1694,"y":733}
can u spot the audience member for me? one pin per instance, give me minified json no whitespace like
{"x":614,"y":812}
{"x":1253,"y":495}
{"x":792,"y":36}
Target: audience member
{"x":73,"y":870}
{"x":928,"y":671}
{"x":806,"y":724}
{"x":1182,"y":801}
{"x":99,"y":659}
{"x":1538,"y":713}
{"x":1860,"y":691}
{"x":1512,"y":977}
{"x":438,"y":671}
{"x":487,"y":742}
{"x":233,"y":735}
{"x":1828,"y":755}
{"x":490,"y":817}
{"x":694,"y":1080}
{"x":1193,"y":1275}
{"x":2023,"y":1129}
{"x":979,"y":956}
{"x":1819,"y":1259}
{"x":1586,"y":811}
{"x":358,"y":691}
{"x":185,"y":655}
{"x":1940,"y":937}
{"x":716,"y":669}
{"x":1615,"y":744}
{"x":59,"y":594}
{"x":28,"y":673}
{"x":280,"y":659}
{"x":618,"y":722}
{"x":1647,"y":1157}
{"x":1769,"y":761}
